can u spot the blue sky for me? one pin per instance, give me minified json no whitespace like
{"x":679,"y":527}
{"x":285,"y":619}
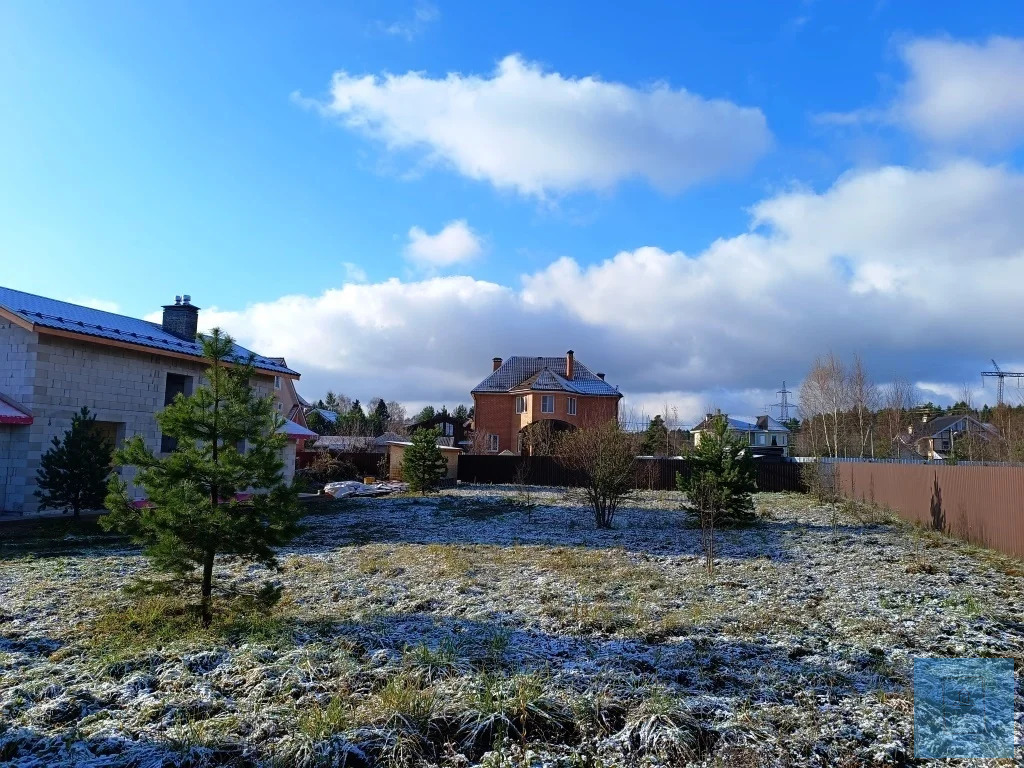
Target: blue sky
{"x":147,"y":151}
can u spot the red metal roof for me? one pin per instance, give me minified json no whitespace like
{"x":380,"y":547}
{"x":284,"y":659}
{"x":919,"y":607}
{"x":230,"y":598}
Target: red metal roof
{"x":9,"y":414}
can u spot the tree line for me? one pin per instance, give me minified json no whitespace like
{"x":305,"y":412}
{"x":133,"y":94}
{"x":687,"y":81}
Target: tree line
{"x":845,"y":413}
{"x":374,"y":420}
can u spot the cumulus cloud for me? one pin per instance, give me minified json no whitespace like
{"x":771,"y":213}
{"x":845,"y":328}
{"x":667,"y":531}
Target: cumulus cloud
{"x":912,"y":268}
{"x":454,"y":244}
{"x":542,"y":133}
{"x":956,"y":93}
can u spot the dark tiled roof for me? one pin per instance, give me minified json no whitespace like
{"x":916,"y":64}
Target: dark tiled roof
{"x":940,"y":423}
{"x":516,"y":371}
{"x":64,"y":316}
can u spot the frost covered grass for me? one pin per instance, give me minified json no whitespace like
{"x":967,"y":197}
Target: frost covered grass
{"x":472,"y":629}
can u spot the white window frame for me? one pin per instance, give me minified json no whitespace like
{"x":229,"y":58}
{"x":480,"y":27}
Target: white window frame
{"x":448,"y":429}
{"x":520,"y":403}
{"x":544,"y":400}
{"x":571,"y":406}
{"x":493,"y":443}
{"x":277,"y":382}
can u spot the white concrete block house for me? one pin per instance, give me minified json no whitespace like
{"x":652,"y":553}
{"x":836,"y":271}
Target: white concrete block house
{"x":56,"y":357}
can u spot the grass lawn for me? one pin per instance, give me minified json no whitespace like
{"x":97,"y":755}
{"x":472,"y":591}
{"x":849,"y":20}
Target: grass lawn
{"x":471,"y":628}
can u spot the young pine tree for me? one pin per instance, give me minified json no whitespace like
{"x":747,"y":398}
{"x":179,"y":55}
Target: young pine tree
{"x":424,"y":464}
{"x":727,"y":460}
{"x":73,"y":473}
{"x":194,"y":515}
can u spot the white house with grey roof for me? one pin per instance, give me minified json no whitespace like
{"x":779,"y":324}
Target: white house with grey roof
{"x":56,"y":357}
{"x":764,"y":434}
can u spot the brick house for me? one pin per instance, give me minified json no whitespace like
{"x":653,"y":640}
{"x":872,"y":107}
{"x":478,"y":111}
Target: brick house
{"x":557,"y":392}
{"x":56,"y":357}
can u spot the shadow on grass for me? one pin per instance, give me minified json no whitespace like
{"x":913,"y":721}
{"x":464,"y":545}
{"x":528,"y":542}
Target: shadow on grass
{"x":63,"y":536}
{"x":693,"y":672}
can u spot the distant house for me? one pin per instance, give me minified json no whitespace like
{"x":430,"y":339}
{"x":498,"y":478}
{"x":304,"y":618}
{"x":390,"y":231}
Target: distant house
{"x":453,"y":430}
{"x":521,"y":392}
{"x":396,"y":455}
{"x":56,"y":357}
{"x":935,"y":437}
{"x":287,"y":400}
{"x":765,"y":435}
{"x":355,"y":443}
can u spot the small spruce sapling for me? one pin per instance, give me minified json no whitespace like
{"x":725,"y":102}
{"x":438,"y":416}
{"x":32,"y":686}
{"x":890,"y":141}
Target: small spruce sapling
{"x":725,"y":456}
{"x":228,"y":441}
{"x":424,"y":464}
{"x":73,"y":472}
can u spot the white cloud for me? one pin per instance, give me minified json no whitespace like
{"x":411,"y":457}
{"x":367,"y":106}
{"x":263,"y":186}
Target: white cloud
{"x":917,"y":270}
{"x":354,"y":273}
{"x":454,"y":244}
{"x":965,"y":92}
{"x":542,"y":133}
{"x":413,"y":26}
{"x":956,"y":94}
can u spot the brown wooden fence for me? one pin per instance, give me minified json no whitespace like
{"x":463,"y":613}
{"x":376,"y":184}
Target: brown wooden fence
{"x":652,"y":474}
{"x":984,"y":505}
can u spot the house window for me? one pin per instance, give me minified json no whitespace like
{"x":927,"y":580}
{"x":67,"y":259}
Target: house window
{"x":277,"y":382}
{"x":521,"y":404}
{"x":572,"y":406}
{"x":760,"y":438}
{"x":278,"y":406}
{"x":492,"y":443}
{"x":547,"y":404}
{"x":449,"y":429}
{"x":176,"y":384}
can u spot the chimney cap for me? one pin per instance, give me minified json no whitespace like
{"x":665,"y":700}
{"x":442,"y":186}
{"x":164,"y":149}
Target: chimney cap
{"x":569,"y":352}
{"x":177,"y":299}
{"x":186,"y":299}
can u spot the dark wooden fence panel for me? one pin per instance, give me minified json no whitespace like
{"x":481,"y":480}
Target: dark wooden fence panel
{"x":648,"y":474}
{"x":983,"y":505}
{"x":367,"y":463}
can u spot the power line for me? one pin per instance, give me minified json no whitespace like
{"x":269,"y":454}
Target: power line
{"x":1000,"y":374}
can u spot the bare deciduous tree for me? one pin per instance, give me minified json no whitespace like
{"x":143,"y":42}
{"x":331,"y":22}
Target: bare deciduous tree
{"x":864,"y":398}
{"x":396,"y":417}
{"x":603,"y":457}
{"x":897,"y":399}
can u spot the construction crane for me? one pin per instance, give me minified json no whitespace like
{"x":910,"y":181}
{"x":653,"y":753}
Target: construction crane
{"x":1001,"y":375}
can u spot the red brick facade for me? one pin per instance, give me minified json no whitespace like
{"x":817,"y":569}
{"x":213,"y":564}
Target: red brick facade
{"x":495,"y":414}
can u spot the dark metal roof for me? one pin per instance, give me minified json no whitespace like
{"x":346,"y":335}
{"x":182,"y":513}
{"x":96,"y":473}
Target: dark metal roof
{"x":547,"y":373}
{"x":64,"y":316}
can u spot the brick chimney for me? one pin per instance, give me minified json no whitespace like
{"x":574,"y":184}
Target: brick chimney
{"x":600,"y":376}
{"x":497,"y":363}
{"x":569,"y":365}
{"x":181,"y":318}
